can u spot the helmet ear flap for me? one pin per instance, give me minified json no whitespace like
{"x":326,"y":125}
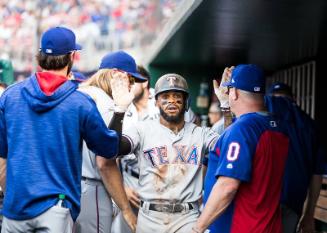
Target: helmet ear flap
{"x":187,"y":102}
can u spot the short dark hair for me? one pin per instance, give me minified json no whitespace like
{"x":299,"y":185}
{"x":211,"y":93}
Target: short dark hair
{"x":142,"y":71}
{"x":50,"y":62}
{"x":4,"y":85}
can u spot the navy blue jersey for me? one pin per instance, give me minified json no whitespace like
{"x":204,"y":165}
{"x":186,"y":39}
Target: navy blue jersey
{"x":306,"y":155}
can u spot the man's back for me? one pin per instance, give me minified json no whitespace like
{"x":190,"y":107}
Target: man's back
{"x":304,"y":151}
{"x":254,"y":151}
{"x":44,"y":146}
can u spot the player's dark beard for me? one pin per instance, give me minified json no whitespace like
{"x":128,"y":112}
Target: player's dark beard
{"x":138,"y":97}
{"x":173,"y":119}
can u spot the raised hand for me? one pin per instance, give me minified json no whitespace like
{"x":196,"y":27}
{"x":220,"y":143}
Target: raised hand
{"x":220,"y":91}
{"x":121,"y":90}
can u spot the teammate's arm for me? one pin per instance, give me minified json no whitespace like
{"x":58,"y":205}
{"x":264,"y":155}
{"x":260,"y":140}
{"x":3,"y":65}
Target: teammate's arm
{"x":122,"y":97}
{"x":113,"y":182}
{"x":307,"y":222}
{"x":3,"y":166}
{"x":220,"y":197}
{"x":116,"y":124}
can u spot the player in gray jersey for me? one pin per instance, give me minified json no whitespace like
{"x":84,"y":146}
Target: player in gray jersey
{"x":99,"y":181}
{"x":169,"y":153}
{"x":142,"y":108}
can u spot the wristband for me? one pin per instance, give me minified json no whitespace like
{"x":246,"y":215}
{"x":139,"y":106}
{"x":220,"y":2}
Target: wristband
{"x":225,"y":109}
{"x":121,"y":109}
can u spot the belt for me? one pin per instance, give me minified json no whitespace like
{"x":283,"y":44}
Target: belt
{"x":170,"y":208}
{"x":131,"y":172}
{"x":92,"y":180}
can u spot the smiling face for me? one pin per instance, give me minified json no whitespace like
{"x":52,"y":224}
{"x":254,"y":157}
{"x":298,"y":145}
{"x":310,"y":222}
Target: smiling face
{"x":171,"y":105}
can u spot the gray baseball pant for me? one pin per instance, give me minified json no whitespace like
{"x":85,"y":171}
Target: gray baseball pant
{"x":54,"y":220}
{"x":96,"y":209}
{"x":150,"y":221}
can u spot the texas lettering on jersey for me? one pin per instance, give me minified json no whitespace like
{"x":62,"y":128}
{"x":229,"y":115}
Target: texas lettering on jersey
{"x":159,"y":155}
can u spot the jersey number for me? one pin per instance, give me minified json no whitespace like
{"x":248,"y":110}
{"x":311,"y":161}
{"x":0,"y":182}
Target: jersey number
{"x":233,"y":151}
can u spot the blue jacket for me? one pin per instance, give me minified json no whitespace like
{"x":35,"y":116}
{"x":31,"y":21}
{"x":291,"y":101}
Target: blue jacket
{"x":306,"y":155}
{"x":41,"y":138}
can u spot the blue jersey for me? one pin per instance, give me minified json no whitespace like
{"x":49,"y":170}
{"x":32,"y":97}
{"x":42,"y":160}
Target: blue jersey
{"x":306,"y":155}
{"x":253,"y":150}
{"x":41,"y":138}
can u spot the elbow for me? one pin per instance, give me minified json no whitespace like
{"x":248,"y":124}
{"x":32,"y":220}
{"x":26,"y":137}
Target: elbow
{"x":230,"y":191}
{"x":104,"y":164}
{"x":229,"y":187}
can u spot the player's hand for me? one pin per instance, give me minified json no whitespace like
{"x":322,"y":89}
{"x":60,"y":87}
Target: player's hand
{"x":130,"y":219}
{"x":220,"y":91}
{"x":133,"y":197}
{"x":306,"y":224}
{"x":121,"y":90}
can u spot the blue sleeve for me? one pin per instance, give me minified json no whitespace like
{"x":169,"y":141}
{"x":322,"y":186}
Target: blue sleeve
{"x":236,"y":153}
{"x":320,"y":166}
{"x":3,"y":131}
{"x":3,"y":138}
{"x":98,"y":137}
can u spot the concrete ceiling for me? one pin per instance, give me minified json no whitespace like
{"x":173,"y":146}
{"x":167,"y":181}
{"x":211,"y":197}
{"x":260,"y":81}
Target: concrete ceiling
{"x":270,"y":33}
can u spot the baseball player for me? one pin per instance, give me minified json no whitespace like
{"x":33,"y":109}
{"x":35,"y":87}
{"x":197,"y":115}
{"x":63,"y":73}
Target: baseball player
{"x":42,"y":145}
{"x":96,"y":206}
{"x":142,"y":109}
{"x":245,"y":170}
{"x":169,"y":153}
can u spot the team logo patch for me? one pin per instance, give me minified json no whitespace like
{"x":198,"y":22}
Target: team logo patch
{"x":256,"y":89}
{"x":171,"y":80}
{"x":48,"y":50}
{"x":273,"y":124}
{"x":229,"y":166}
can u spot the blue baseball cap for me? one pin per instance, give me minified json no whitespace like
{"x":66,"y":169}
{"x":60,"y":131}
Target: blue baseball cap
{"x":122,"y":61}
{"x":247,"y":77}
{"x":280,"y":87}
{"x":59,"y":41}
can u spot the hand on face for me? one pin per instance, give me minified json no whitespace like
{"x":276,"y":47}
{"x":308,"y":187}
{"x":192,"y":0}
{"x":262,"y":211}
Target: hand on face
{"x":121,"y":89}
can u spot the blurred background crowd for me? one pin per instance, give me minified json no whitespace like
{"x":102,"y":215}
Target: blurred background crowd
{"x":100,"y":26}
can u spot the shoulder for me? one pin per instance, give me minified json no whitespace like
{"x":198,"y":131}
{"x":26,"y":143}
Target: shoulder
{"x":92,"y":91}
{"x":13,"y":91}
{"x":99,"y":96}
{"x":15,"y":87}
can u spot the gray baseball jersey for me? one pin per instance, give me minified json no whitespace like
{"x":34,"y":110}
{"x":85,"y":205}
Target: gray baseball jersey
{"x":96,"y":205}
{"x":105,"y":106}
{"x":170,"y":164}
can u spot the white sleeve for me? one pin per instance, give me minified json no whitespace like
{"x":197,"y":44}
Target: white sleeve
{"x":210,"y":140}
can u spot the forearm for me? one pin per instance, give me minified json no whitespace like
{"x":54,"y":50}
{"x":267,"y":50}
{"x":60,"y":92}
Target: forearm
{"x":116,"y":124}
{"x":228,"y":118}
{"x":3,"y":169}
{"x":313,"y":194}
{"x":113,"y":181}
{"x":220,"y":197}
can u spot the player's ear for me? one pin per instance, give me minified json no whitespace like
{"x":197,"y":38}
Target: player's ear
{"x":233,"y":92}
{"x":145,"y":85}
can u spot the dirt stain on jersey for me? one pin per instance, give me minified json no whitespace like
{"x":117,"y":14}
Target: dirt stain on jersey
{"x":160,"y":182}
